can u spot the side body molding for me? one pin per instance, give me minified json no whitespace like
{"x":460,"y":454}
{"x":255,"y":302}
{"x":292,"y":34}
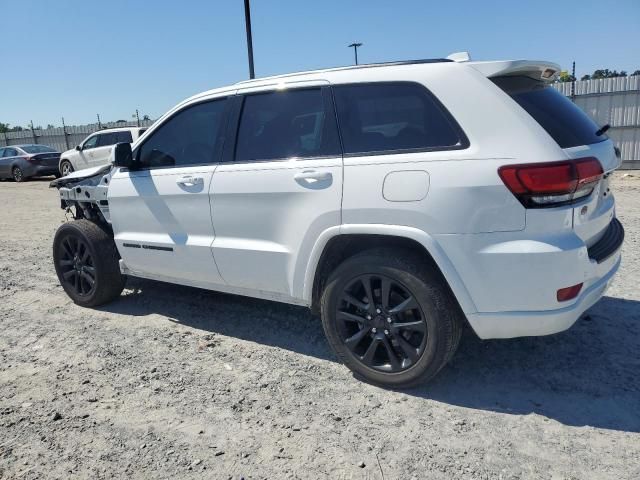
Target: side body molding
{"x":304,"y":289}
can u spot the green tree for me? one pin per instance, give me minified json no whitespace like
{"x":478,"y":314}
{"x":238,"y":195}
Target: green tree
{"x":637,"y":72}
{"x":4,"y":127}
{"x":565,"y":76}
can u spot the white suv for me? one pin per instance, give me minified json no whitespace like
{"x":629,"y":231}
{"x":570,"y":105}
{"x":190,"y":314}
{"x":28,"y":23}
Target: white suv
{"x":95,"y":150}
{"x":400,"y":201}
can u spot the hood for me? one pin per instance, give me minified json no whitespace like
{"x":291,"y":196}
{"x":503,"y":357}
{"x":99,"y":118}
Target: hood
{"x":81,"y":175}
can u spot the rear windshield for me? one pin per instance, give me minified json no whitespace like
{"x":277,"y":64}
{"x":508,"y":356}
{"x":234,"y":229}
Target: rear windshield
{"x":560,"y":117}
{"x":38,"y":149}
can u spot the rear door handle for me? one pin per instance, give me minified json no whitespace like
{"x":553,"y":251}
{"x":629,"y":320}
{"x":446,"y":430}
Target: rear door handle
{"x":190,"y":181}
{"x":312,"y":176}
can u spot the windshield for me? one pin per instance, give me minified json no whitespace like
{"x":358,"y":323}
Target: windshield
{"x":38,"y":149}
{"x":567,"y":124}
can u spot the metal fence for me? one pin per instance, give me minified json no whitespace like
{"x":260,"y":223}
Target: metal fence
{"x":615,"y":101}
{"x":62,"y":138}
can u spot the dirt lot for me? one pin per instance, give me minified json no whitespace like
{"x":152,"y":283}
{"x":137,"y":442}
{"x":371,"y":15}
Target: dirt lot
{"x":175,"y":382}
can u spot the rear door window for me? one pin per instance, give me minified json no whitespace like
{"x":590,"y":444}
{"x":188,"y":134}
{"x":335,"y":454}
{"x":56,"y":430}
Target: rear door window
{"x":394,"y":117}
{"x":123,"y":137}
{"x":287,"y":124}
{"x":10,"y":152}
{"x":106,"y":139}
{"x":560,"y":117}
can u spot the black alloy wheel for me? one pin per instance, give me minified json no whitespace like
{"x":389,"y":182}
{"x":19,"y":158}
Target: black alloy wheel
{"x":381,"y":323}
{"x":77,"y":266}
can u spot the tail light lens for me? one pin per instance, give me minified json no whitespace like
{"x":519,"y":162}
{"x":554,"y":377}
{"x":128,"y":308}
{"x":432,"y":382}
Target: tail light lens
{"x":539,"y":185}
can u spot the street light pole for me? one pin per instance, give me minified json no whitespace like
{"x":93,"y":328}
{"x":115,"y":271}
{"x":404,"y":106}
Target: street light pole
{"x":355,"y":50}
{"x":247,"y":22}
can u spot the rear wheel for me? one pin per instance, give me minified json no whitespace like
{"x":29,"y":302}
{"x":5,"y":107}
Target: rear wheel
{"x":389,"y":318}
{"x":87,"y":263}
{"x":17,"y":174}
{"x":66,"y":168}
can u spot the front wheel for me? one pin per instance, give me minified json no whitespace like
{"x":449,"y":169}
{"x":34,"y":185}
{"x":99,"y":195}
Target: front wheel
{"x":87,"y":263}
{"x":390,"y":318}
{"x":66,"y":168}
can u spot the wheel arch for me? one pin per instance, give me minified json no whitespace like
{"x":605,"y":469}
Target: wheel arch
{"x":338,"y":244}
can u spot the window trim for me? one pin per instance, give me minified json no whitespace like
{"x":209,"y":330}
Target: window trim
{"x":462,"y":137}
{"x":221,"y":137}
{"x":16,"y":150}
{"x":229,"y":155}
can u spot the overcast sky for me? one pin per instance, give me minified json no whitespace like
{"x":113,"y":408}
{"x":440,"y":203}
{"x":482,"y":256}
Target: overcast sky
{"x":78,"y":58}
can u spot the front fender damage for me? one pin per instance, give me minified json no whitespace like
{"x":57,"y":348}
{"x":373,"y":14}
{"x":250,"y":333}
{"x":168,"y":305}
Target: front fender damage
{"x":84,"y":193}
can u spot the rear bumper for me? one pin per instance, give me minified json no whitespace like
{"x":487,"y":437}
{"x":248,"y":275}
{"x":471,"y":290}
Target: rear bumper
{"x":40,"y":170}
{"x":513,"y":278}
{"x":528,"y":324}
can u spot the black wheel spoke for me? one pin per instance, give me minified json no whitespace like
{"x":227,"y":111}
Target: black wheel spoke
{"x":69,"y":274}
{"x":350,"y":317}
{"x":369,"y":355}
{"x":393,"y":359}
{"x":66,"y":263}
{"x":66,"y":246}
{"x":76,"y":282}
{"x":353,"y":341}
{"x":417,"y":326}
{"x":90,"y":270}
{"x":355,"y":302}
{"x":90,"y":280}
{"x":410,"y":351}
{"x":85,"y":254}
{"x":408,"y":304}
{"x":366,"y":283}
{"x":385,"y":291}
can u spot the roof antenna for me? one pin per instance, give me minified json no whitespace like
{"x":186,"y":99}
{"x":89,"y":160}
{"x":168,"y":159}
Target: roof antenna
{"x":460,"y":57}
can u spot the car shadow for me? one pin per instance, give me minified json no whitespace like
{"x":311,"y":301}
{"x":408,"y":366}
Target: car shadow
{"x":586,"y":376}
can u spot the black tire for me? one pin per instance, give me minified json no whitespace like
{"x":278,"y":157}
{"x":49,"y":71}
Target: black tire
{"x":87,"y":263}
{"x":430,"y":347}
{"x":17,"y":174}
{"x":64,"y":165}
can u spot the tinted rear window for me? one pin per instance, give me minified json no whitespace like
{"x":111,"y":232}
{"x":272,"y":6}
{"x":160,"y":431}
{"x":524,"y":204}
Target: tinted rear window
{"x":394,"y":116}
{"x":560,"y":117}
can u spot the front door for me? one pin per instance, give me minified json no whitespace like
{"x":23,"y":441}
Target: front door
{"x":278,"y":188}
{"x":160,"y":212}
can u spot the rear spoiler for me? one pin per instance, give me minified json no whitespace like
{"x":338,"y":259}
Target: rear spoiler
{"x":538,"y":70}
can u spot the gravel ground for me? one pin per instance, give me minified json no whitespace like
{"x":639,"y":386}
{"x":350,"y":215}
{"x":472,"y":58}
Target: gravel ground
{"x":176,"y":382}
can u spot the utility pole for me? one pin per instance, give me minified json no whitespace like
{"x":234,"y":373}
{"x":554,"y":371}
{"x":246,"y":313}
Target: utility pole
{"x":355,"y":50}
{"x":573,"y":82}
{"x":33,"y":133}
{"x":99,"y":124}
{"x":64,"y":131}
{"x":137,"y":117}
{"x":247,"y":24}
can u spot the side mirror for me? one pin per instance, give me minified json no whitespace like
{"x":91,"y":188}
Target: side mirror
{"x":78,"y":147}
{"x":122,"y":156}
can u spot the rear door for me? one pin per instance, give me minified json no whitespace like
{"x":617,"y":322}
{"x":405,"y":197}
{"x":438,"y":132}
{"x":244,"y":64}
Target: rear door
{"x":160,"y":212}
{"x":279,"y":187}
{"x":578,"y":136}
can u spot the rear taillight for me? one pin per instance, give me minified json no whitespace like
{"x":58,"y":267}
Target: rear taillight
{"x":539,"y":185}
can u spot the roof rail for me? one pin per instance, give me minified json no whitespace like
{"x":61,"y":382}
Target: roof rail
{"x":352,"y":67}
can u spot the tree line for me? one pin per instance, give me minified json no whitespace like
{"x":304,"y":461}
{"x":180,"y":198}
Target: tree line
{"x":565,"y":76}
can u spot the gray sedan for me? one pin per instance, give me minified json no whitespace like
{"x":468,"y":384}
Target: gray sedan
{"x":23,"y":161}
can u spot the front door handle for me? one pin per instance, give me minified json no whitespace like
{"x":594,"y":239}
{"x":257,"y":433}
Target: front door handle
{"x":190,"y":181}
{"x":312,"y":176}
